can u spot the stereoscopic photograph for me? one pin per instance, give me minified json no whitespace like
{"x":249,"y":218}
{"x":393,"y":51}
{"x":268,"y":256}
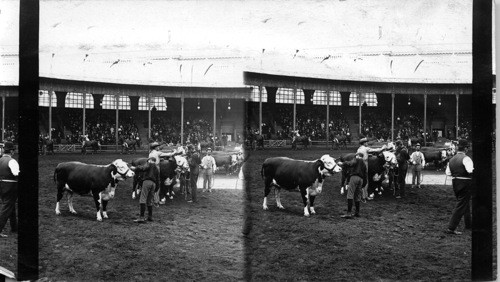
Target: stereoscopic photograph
{"x":253,"y":141}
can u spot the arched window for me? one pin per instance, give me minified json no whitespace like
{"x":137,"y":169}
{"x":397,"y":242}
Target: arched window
{"x":319,"y":98}
{"x":75,"y":100}
{"x":285,"y":95}
{"x":43,"y":99}
{"x":158,"y":102}
{"x":109,"y":102}
{"x":369,"y":98}
{"x":254,"y":97}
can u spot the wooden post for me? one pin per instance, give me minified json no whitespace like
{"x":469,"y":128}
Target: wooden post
{"x":425,"y":120}
{"x":3,"y":118}
{"x":182,"y":119}
{"x":260,"y":109}
{"x":116,"y":122}
{"x":84,"y":106}
{"x":50,"y":115}
{"x":149,"y":117}
{"x":294,"y":109}
{"x":392,"y":116}
{"x":359,"y":101}
{"x":215,"y":119}
{"x":456,"y":121}
{"x":327,"y":117}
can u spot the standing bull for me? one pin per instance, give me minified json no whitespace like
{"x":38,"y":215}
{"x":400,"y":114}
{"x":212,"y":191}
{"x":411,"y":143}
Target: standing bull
{"x":303,"y":140}
{"x":291,"y":174}
{"x":80,"y":178}
{"x":94,"y":145}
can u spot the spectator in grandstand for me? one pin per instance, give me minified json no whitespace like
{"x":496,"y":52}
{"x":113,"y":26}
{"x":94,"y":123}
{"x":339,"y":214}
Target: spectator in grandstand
{"x":417,"y":159}
{"x":209,"y":167}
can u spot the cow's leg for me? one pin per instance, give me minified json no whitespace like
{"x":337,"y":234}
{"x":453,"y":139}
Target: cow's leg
{"x":278,"y":198}
{"x":97,"y":203}
{"x":305,"y":200}
{"x":134,"y":185}
{"x":104,"y":204}
{"x":70,"y":202}
{"x":267,"y":189}
{"x":60,"y":193}
{"x":311,"y":204}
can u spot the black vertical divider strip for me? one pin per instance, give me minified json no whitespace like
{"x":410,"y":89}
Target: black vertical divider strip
{"x":482,"y":119}
{"x":28,"y":137}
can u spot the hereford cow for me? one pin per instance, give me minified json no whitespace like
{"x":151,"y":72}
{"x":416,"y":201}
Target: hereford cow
{"x":291,"y":174}
{"x":100,"y":181}
{"x":228,"y":160}
{"x":305,"y":141}
{"x":94,"y":145}
{"x":380,"y":168}
{"x":437,"y":156}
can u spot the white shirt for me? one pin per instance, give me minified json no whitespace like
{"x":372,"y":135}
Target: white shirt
{"x":467,"y":162}
{"x":414,"y":155}
{"x":14,"y":166}
{"x":207,"y":161}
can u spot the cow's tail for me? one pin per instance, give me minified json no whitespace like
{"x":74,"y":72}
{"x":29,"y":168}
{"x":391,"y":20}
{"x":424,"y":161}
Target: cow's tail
{"x":55,"y":175}
{"x":262,"y":171}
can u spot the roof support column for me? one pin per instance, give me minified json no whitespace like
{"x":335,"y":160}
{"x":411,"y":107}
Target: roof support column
{"x":215,"y":119}
{"x":327,"y":117}
{"x":425,"y":120}
{"x":392,"y":116}
{"x":359,"y":102}
{"x":295,"y":109}
{"x":50,"y":114}
{"x":149,"y":119}
{"x":83,"y":116}
{"x":3,"y":118}
{"x":456,"y":121}
{"x":182,"y":119}
{"x":260,"y":109}
{"x":117,"y":98}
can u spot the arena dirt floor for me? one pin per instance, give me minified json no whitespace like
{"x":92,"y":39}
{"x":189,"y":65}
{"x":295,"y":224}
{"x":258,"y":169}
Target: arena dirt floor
{"x":394,"y":239}
{"x":186,"y":242}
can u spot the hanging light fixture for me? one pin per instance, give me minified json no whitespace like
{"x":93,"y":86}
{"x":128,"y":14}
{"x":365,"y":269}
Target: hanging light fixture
{"x":409,"y":101}
{"x":229,"y":105}
{"x":439,"y":103}
{"x":198,"y":104}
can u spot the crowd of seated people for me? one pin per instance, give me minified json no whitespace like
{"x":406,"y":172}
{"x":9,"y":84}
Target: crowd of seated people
{"x":309,"y":122}
{"x":99,"y":126}
{"x":198,"y":130}
{"x":374,"y":126}
{"x":11,"y":130}
{"x":464,"y":129}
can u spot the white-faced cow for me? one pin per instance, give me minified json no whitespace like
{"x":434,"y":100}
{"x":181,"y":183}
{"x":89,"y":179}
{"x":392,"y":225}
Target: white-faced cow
{"x":291,"y":174}
{"x":100,"y":181}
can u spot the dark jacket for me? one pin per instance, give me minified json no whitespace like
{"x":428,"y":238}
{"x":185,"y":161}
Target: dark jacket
{"x":194,"y":163}
{"x":151,"y":173}
{"x":357,"y":167}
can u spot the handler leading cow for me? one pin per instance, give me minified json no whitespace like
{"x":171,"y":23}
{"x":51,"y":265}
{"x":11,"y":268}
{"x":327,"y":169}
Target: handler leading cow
{"x":291,"y":174}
